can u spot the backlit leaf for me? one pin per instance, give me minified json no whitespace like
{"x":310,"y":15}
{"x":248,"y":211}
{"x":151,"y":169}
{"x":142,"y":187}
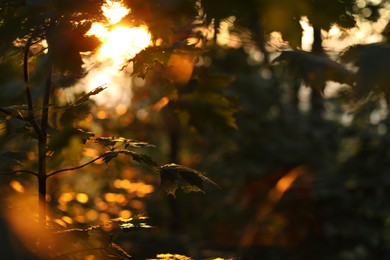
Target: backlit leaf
{"x":174,"y":176}
{"x":315,"y":70}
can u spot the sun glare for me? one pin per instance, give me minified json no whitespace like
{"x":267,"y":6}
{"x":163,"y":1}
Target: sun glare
{"x":120,"y":42}
{"x":124,"y":42}
{"x":114,"y":11}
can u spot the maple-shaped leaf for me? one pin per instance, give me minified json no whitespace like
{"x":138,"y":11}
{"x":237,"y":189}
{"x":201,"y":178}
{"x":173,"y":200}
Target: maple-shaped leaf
{"x":106,"y":141}
{"x":108,"y":156}
{"x":174,"y":176}
{"x":315,"y":70}
{"x":85,"y":135}
{"x":145,"y":60}
{"x":139,"y":158}
{"x":112,"y":141}
{"x":372,"y":62}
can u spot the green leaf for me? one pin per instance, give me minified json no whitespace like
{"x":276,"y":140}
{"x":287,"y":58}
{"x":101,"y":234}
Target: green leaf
{"x":112,"y":141}
{"x":85,"y":135}
{"x":144,"y":61}
{"x":109,"y":156}
{"x":139,"y":158}
{"x":106,"y":141}
{"x":174,"y":176}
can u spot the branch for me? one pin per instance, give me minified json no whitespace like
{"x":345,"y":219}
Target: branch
{"x":5,"y":111}
{"x":80,"y":166}
{"x":19,"y":171}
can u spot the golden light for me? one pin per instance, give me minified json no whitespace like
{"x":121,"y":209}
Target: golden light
{"x":120,"y":42}
{"x":17,"y":186}
{"x":114,"y":11}
{"x":123,"y":43}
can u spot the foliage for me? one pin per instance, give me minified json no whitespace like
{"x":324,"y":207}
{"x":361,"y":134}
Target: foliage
{"x":175,"y":176}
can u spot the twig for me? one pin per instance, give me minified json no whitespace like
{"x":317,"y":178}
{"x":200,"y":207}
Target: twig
{"x":11,"y":114}
{"x":80,"y":166}
{"x":19,"y":171}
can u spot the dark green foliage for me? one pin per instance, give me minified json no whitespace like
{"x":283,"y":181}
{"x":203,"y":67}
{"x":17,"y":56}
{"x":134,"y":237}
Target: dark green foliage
{"x":144,"y":61}
{"x":371,"y":61}
{"x":110,"y":142}
{"x":174,"y":176}
{"x":203,"y":103}
{"x":139,"y":158}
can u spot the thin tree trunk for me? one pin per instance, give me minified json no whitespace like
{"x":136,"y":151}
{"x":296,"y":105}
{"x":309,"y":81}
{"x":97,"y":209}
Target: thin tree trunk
{"x":316,"y":100}
{"x":42,"y":148}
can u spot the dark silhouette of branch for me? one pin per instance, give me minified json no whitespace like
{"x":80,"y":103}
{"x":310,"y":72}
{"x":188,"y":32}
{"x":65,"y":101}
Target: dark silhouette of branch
{"x":5,"y":111}
{"x":80,"y":166}
{"x":19,"y":171}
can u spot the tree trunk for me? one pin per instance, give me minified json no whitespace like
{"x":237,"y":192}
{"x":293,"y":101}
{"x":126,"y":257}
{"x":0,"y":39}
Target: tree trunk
{"x":316,"y":100}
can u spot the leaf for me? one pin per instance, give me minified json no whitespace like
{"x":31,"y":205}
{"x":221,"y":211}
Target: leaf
{"x":112,"y":141}
{"x":372,"y":61}
{"x":109,"y":156}
{"x":119,"y":249}
{"x":106,"y":141}
{"x":86,"y":96}
{"x":174,"y":176}
{"x":144,"y":61}
{"x":315,"y":70}
{"x":139,"y":158}
{"x":84,"y":135}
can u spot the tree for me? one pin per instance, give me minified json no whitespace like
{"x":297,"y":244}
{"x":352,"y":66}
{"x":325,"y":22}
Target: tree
{"x":25,"y":25}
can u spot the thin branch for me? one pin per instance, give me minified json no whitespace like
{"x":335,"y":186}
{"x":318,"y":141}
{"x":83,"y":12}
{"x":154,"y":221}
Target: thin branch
{"x":11,"y":114}
{"x":19,"y":171}
{"x":80,"y":166}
